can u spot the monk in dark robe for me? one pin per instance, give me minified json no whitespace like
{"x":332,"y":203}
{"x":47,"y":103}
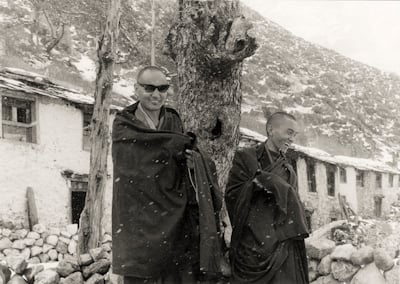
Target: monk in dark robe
{"x":268,"y":219}
{"x":165,"y":195}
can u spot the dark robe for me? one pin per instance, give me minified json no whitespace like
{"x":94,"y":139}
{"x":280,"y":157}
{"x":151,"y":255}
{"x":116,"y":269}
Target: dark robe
{"x":269,"y":226}
{"x":155,"y":215}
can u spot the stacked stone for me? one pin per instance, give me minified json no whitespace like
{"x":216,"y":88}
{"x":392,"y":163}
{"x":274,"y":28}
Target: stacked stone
{"x":39,"y":245}
{"x":333,"y":264}
{"x":91,"y":268}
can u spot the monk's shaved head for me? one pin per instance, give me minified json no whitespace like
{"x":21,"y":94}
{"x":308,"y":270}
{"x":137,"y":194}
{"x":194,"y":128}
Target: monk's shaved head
{"x":276,"y":118}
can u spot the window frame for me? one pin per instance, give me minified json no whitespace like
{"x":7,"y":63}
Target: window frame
{"x":311,"y":180}
{"x":33,"y":116}
{"x":378,"y":181}
{"x":331,"y":174}
{"x":360,"y":173}
{"x":391,"y":180}
{"x":343,"y":178}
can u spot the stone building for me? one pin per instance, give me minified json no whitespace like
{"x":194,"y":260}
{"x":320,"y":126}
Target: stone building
{"x":44,"y":145}
{"x":368,"y":186}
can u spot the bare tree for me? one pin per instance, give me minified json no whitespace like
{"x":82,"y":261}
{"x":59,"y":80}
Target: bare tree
{"x":90,"y":231}
{"x":209,"y":42}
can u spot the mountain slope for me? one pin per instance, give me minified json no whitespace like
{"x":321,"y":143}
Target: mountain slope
{"x":345,"y":107}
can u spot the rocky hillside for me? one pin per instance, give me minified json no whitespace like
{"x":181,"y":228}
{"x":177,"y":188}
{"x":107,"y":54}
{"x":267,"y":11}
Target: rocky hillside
{"x":345,"y":107}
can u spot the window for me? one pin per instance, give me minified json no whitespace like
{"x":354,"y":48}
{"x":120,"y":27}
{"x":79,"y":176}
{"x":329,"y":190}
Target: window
{"x":378,"y":180}
{"x":18,"y":119}
{"x":391,"y":178}
{"x":78,"y":198}
{"x":343,"y":175}
{"x":360,"y":177}
{"x":330,"y":174}
{"x":311,"y":176}
{"x":87,"y":117}
{"x":378,"y":206}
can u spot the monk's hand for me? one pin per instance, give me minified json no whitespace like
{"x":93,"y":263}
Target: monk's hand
{"x":189,"y":158}
{"x":260,"y":185}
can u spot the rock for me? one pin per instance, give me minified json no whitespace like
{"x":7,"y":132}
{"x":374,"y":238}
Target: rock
{"x":39,"y":242}
{"x":107,"y":247}
{"x":6,"y":232}
{"x":100,"y":267}
{"x":71,"y":259}
{"x":18,"y":244}
{"x":343,"y":271}
{"x":66,"y":234}
{"x":8,"y":252}
{"x":5,"y":244}
{"x":62,"y":247}
{"x":326,"y":280}
{"x":60,"y":257}
{"x":29,"y":242}
{"x":33,"y":235}
{"x":343,"y":252}
{"x":75,"y":238}
{"x":112,"y":278}
{"x":26,"y":253}
{"x":39,"y":228}
{"x":392,"y":276}
{"x":32,"y":271}
{"x":22,"y":233}
{"x":17,"y":263}
{"x":64,"y":240}
{"x":46,"y":248}
{"x":107,"y":238}
{"x":34,"y":260}
{"x":6,"y":273}
{"x":98,"y":253}
{"x":53,"y":254}
{"x":72,"y":246}
{"x":382,"y":259}
{"x":8,"y":225}
{"x":72,"y":229}
{"x":85,"y":259}
{"x":324,"y":267}
{"x":95,"y":279}
{"x":52,"y":240}
{"x":74,"y":278}
{"x":44,"y":257}
{"x":367,"y":275}
{"x":318,"y":248}
{"x":35,"y":250}
{"x":54,"y":231}
{"x":47,"y":276}
{"x":65,"y":268}
{"x":17,"y":279}
{"x":312,"y":275}
{"x":14,"y":236}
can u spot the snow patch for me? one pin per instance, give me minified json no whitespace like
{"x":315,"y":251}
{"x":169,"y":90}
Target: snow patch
{"x":124,"y":88}
{"x":300,"y":109}
{"x":86,"y":67}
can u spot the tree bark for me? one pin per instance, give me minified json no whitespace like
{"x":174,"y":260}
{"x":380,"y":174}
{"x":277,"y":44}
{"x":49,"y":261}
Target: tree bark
{"x":90,"y":231}
{"x":209,"y":42}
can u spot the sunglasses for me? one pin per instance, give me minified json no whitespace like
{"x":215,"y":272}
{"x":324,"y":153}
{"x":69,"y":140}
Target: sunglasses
{"x":151,"y":88}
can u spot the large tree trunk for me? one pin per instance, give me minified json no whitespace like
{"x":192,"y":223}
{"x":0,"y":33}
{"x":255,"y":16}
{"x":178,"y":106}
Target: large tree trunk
{"x":209,"y":42}
{"x":90,"y":231}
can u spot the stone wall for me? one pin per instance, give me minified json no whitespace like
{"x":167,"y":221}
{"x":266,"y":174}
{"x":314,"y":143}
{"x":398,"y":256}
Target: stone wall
{"x":339,"y":253}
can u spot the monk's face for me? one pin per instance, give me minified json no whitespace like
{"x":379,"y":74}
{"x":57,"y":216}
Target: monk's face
{"x":151,"y":89}
{"x":282,"y":133}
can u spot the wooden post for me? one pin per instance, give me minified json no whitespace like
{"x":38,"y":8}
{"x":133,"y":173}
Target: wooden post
{"x":32,"y":210}
{"x":90,"y":231}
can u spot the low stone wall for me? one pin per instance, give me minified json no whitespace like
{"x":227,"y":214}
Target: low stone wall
{"x":91,"y":268}
{"x":49,"y":255}
{"x":338,"y":254}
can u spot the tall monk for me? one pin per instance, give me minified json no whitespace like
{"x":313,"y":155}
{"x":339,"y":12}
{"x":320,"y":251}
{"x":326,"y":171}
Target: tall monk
{"x":268,"y":219}
{"x":165,"y":195}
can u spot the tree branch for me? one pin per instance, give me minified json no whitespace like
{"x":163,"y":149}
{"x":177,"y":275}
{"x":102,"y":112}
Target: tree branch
{"x":56,"y":41}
